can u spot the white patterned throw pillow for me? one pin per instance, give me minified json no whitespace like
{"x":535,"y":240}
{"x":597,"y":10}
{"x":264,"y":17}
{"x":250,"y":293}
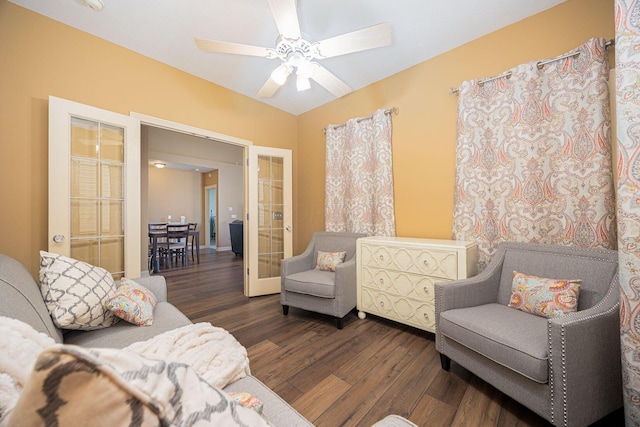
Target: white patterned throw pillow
{"x":75,"y":292}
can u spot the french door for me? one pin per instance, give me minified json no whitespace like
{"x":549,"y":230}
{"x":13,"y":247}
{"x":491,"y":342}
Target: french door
{"x":94,"y":186}
{"x":270,"y":218}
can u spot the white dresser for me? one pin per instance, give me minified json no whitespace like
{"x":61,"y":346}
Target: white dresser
{"x":396,"y":276}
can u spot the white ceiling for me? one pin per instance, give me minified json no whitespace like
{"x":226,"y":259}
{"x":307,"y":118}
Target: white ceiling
{"x":165,"y":29}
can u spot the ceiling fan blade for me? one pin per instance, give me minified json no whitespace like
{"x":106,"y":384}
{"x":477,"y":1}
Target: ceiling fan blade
{"x":329,"y":81}
{"x":268,"y":89}
{"x":365,"y":38}
{"x":235,"y":48}
{"x":286,"y":16}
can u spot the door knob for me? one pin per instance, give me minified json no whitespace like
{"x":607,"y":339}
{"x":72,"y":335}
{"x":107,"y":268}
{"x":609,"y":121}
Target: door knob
{"x":58,"y":238}
{"x":288,"y":228}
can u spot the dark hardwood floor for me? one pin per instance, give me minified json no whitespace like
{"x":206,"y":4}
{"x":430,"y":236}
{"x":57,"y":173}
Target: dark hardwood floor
{"x":350,"y":377}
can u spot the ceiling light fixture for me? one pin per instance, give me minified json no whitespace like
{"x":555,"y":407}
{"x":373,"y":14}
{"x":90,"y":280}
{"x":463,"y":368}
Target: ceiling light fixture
{"x":159,"y":165}
{"x":280,"y":74}
{"x":302,"y":83}
{"x":94,"y":4}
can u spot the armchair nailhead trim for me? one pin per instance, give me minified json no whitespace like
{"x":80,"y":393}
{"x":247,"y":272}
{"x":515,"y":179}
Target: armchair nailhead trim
{"x":551,"y":383}
{"x":565,"y":414}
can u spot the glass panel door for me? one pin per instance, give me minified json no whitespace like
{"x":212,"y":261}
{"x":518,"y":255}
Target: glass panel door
{"x":97,"y":194}
{"x":270,"y":204}
{"x":270,"y":217}
{"x":94,"y":186}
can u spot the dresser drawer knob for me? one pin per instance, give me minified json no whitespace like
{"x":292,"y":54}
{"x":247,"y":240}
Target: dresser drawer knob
{"x":381,"y":303}
{"x":426,"y":315}
{"x":381,"y":257}
{"x":425,"y":289}
{"x":381,"y":280}
{"x":426,"y":262}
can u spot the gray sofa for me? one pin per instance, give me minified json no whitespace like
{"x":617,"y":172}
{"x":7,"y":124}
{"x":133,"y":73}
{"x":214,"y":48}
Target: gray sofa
{"x":20,"y":298}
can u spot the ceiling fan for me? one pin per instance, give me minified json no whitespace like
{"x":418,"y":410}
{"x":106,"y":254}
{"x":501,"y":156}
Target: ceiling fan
{"x":299,"y":54}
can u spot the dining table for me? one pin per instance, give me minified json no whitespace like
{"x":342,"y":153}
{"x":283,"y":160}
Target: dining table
{"x":155,"y":235}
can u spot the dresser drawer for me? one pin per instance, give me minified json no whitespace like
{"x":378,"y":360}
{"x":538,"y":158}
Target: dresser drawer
{"x":399,"y":283}
{"x":420,"y":314}
{"x":438,"y":263}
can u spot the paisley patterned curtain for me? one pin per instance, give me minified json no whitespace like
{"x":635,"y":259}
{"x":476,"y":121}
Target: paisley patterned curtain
{"x":628,"y":132}
{"x":534,"y":156}
{"x":359,"y":177}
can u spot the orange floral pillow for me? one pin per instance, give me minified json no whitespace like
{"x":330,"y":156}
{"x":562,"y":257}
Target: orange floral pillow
{"x":327,"y":261}
{"x":544,"y":297}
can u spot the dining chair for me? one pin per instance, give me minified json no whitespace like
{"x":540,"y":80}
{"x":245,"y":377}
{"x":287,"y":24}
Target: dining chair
{"x":193,"y":226}
{"x":178,"y":239}
{"x":157,"y":227}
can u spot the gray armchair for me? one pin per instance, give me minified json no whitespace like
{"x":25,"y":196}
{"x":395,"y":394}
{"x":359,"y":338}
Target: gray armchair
{"x":321,"y":291}
{"x":566,"y":369}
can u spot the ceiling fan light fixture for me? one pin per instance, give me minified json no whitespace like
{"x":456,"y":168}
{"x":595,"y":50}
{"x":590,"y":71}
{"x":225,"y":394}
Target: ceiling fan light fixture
{"x":305,"y":69}
{"x":94,"y":4}
{"x":280,"y":74}
{"x":302,"y":83}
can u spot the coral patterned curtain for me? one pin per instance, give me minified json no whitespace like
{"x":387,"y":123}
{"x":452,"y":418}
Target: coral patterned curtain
{"x":628,"y":134}
{"x":534,"y":156}
{"x":359,"y":177}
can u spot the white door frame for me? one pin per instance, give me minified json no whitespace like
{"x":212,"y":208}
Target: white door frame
{"x":207,"y":223}
{"x":207,"y":134}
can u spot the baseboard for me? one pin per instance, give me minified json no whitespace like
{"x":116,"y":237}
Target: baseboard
{"x":223,"y":248}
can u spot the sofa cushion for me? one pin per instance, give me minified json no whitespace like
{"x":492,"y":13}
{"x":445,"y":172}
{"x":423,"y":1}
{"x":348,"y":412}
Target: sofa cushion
{"x":275,"y":409}
{"x":71,"y":385}
{"x":312,"y":282}
{"x":511,"y":338}
{"x":75,"y":292}
{"x":544,"y":297}
{"x":132,"y":302}
{"x":122,"y":334}
{"x":22,"y":299}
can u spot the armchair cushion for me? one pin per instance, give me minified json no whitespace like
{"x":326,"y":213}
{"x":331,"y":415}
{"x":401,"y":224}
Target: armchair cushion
{"x":511,"y":338}
{"x":544,"y":297}
{"x":317,"y":283}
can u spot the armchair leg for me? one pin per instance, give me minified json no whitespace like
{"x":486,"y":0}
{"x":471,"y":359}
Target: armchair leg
{"x":445,"y":362}
{"x":339,"y":322}
{"x":285,"y":309}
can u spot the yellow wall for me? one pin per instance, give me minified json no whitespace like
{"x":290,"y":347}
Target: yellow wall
{"x":41,"y":57}
{"x":424,"y":132}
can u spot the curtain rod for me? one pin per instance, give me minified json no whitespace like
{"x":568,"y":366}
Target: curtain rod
{"x":392,"y":110}
{"x":540,"y":66}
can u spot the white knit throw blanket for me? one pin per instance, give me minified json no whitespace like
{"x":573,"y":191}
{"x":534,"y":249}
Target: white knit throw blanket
{"x":212,"y":352}
{"x":20,"y":346}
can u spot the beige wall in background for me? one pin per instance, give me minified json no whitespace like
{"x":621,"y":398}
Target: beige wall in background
{"x":424,"y":131}
{"x":176,"y":193}
{"x":41,"y":57}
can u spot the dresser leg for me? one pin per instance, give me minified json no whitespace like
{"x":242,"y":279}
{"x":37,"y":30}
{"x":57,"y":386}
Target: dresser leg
{"x":285,"y":309}
{"x":339,"y":322}
{"x":362,"y":314}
